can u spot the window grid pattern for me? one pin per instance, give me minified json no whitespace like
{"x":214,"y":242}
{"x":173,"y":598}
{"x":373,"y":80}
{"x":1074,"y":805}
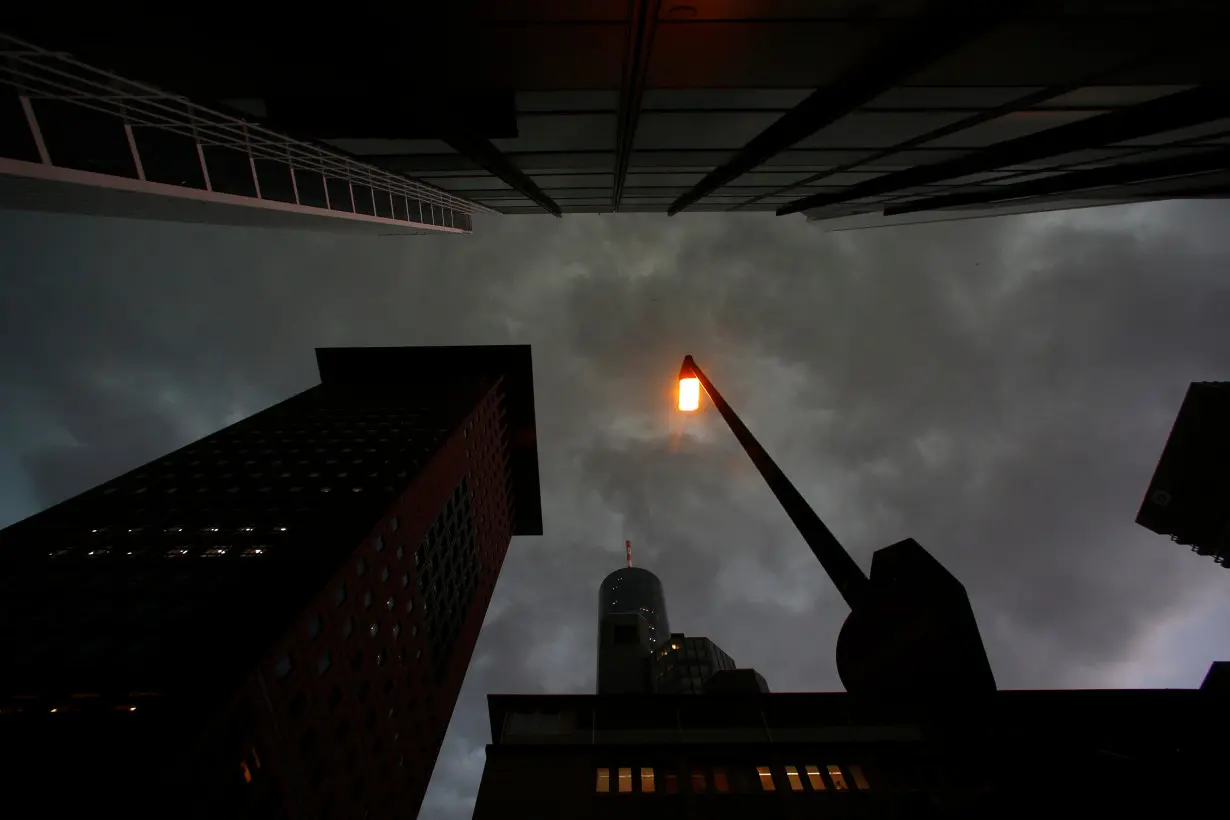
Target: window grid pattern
{"x":724,"y":779}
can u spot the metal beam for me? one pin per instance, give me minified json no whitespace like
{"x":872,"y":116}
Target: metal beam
{"x":480,"y":151}
{"x":1186,"y":108}
{"x":1218,"y":160}
{"x":643,"y":21}
{"x":949,"y":26}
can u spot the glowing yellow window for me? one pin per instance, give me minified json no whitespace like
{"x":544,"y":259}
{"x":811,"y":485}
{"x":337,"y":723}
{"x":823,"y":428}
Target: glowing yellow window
{"x":859,"y":779}
{"x":792,"y":775}
{"x":647,"y":780}
{"x":247,"y":773}
{"x":839,"y":779}
{"x":625,"y":780}
{"x":720,"y":783}
{"x":766,"y":778}
{"x":604,"y":780}
{"x":814,"y":778}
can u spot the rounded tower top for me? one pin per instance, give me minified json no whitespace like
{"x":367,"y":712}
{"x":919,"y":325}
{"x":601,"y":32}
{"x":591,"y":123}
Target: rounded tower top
{"x":637,"y":591}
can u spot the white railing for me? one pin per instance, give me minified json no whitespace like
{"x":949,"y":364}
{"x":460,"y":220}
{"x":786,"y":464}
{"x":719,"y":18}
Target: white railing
{"x":38,"y":73}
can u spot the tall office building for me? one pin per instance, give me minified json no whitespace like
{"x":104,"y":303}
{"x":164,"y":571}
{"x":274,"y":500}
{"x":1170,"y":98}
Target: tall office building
{"x":1189,"y":495}
{"x":1006,"y":754}
{"x":855,"y":112}
{"x":274,"y":620}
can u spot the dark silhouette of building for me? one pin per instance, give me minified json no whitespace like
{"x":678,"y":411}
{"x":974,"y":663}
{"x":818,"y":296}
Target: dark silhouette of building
{"x":273,"y":621}
{"x":1189,"y":496}
{"x":632,"y":624}
{"x":1007,"y":754}
{"x":685,"y":665}
{"x":855,"y":113}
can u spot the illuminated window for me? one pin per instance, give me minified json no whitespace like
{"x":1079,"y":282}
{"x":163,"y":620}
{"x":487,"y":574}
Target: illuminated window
{"x":247,"y":773}
{"x":859,"y":779}
{"x":839,"y":780}
{"x":178,"y":552}
{"x":625,"y":780}
{"x":814,"y":778}
{"x":604,"y":780}
{"x":792,"y":775}
{"x":373,"y":629}
{"x":766,"y":778}
{"x":253,"y":551}
{"x":215,"y":552}
{"x":698,"y":781}
{"x":720,"y":783}
{"x":647,"y":780}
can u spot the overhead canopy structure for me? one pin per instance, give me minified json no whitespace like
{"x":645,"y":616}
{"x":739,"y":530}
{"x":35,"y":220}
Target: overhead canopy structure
{"x":840,"y":109}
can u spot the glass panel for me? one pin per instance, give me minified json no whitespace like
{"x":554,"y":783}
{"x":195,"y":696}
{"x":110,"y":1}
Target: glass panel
{"x":839,"y":780}
{"x":859,"y":779}
{"x":604,"y":780}
{"x":625,"y":780}
{"x":647,"y":780}
{"x":720,"y":783}
{"x":766,"y":778}
{"x":792,"y":774}
{"x":698,"y":781}
{"x":814,"y":778}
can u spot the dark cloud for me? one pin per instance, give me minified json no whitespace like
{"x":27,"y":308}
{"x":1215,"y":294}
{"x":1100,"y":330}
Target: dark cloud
{"x":999,"y":390}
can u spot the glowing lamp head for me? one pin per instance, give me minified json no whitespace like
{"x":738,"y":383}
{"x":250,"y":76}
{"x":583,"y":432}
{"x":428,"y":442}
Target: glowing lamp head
{"x":689,"y":387}
{"x":689,"y":393}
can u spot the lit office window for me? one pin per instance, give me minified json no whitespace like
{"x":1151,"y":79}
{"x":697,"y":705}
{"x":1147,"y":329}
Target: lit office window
{"x":839,"y":779}
{"x":766,"y":778}
{"x":625,"y":780}
{"x":720,"y":783}
{"x":698,"y":781}
{"x":859,"y":779}
{"x":646,"y":780}
{"x":814,"y":778}
{"x":792,"y":775}
{"x":604,"y":780}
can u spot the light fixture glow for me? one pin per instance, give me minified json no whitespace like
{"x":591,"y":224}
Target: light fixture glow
{"x":689,"y":393}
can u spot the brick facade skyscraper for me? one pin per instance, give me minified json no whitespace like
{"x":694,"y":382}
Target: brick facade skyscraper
{"x":273,"y":621}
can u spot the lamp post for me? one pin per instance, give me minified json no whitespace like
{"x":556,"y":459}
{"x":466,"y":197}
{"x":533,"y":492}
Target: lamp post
{"x":910,"y":627}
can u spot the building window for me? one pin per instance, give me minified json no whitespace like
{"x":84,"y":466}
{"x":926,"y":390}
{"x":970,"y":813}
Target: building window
{"x":390,"y":603}
{"x":283,"y":667}
{"x":401,"y":553}
{"x":378,"y":544}
{"x":253,"y":551}
{"x":720,"y":783}
{"x":839,"y":780}
{"x":698,"y":781}
{"x":326,"y":660}
{"x":315,"y":626}
{"x":384,"y":573}
{"x":647,"y":781}
{"x":339,"y":594}
{"x":604,"y":781}
{"x":814,"y":778}
{"x":368,"y":599}
{"x":859,"y":779}
{"x":396,"y":630}
{"x":215,"y":552}
{"x":361,"y":566}
{"x":373,"y":629}
{"x":405,"y":580}
{"x":672,"y":783}
{"x":792,"y":776}
{"x":393,"y":523}
{"x":348,"y":627}
{"x":766,"y":778}
{"x":625,"y":780}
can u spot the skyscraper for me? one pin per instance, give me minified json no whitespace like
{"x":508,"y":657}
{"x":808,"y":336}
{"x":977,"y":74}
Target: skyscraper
{"x":1189,"y":495}
{"x":855,"y":113}
{"x":274,"y":620}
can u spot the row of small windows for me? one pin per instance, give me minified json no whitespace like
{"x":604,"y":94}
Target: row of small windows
{"x":716,"y":780}
{"x":174,"y":552}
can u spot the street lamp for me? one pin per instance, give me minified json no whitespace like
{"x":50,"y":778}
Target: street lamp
{"x":910,"y":627}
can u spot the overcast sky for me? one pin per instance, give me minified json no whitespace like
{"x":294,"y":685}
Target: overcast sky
{"x":999,"y":390}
